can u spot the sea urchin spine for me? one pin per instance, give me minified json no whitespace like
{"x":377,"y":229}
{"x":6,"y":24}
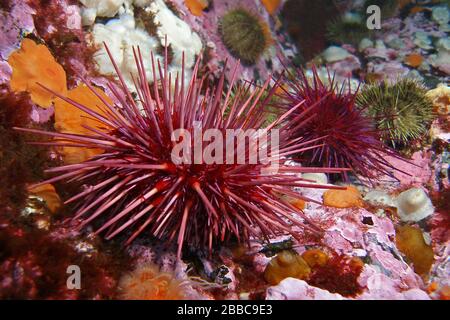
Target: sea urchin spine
{"x":349,"y":137}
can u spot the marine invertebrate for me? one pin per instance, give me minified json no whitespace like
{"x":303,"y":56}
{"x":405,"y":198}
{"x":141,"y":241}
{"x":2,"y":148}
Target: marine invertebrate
{"x":97,"y":8}
{"x":414,"y":60}
{"x":271,"y":5}
{"x":48,"y":193}
{"x":284,"y":265}
{"x":139,"y":184}
{"x":315,"y":257}
{"x":348,"y":137}
{"x":414,"y":205}
{"x":379,"y":198}
{"x":410,"y":241}
{"x":126,"y":35}
{"x":148,"y":282}
{"x":196,"y":7}
{"x":72,"y":120}
{"x":147,"y":29}
{"x":402,"y":110}
{"x":176,"y":33}
{"x":244,"y":34}
{"x":440,"y":97}
{"x":34,"y":63}
{"x":348,"y":29}
{"x":350,"y":197}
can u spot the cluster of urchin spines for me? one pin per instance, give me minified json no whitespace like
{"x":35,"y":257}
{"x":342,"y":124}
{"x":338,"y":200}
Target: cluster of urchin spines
{"x":244,"y":34}
{"x":402,"y":111}
{"x":349,"y":137}
{"x":134,"y":188}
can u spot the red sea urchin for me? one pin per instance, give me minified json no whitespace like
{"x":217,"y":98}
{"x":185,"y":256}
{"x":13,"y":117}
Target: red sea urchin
{"x":349,"y":137}
{"x":134,"y":186}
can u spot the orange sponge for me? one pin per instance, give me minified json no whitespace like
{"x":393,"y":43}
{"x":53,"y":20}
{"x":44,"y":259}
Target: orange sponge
{"x":32,"y":64}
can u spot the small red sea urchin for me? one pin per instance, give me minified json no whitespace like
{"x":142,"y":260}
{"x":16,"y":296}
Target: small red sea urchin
{"x":349,"y":137}
{"x":135,"y":188}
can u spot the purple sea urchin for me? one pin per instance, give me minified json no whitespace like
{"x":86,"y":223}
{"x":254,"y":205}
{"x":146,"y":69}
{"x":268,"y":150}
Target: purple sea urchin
{"x":350,"y":138}
{"x":135,"y":186}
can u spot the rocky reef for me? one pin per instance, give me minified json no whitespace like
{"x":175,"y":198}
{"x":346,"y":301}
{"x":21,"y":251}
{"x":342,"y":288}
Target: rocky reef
{"x":93,"y":92}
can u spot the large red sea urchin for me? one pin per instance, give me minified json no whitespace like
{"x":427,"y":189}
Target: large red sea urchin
{"x":134,"y":186}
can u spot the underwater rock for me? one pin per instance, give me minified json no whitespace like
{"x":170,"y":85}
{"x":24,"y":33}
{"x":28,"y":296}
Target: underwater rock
{"x":13,"y":25}
{"x":320,"y":178}
{"x":295,"y":289}
{"x":441,"y":15}
{"x":335,"y":53}
{"x":346,"y":67}
{"x":364,"y":44}
{"x":379,"y":197}
{"x":422,"y":40}
{"x":381,"y":287}
{"x":442,"y":58}
{"x":419,"y":163}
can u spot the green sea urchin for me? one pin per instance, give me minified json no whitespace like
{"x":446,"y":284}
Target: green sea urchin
{"x":402,"y":111}
{"x":244,"y":34}
{"x":347,"y":29}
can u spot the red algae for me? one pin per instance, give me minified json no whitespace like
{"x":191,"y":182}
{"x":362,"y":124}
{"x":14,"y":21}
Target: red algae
{"x":440,"y":220}
{"x":339,"y":275}
{"x":63,"y":36}
{"x":20,"y":162}
{"x":26,"y":273}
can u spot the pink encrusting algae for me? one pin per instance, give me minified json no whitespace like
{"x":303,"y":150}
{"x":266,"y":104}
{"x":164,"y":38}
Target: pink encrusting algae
{"x":135,"y":186}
